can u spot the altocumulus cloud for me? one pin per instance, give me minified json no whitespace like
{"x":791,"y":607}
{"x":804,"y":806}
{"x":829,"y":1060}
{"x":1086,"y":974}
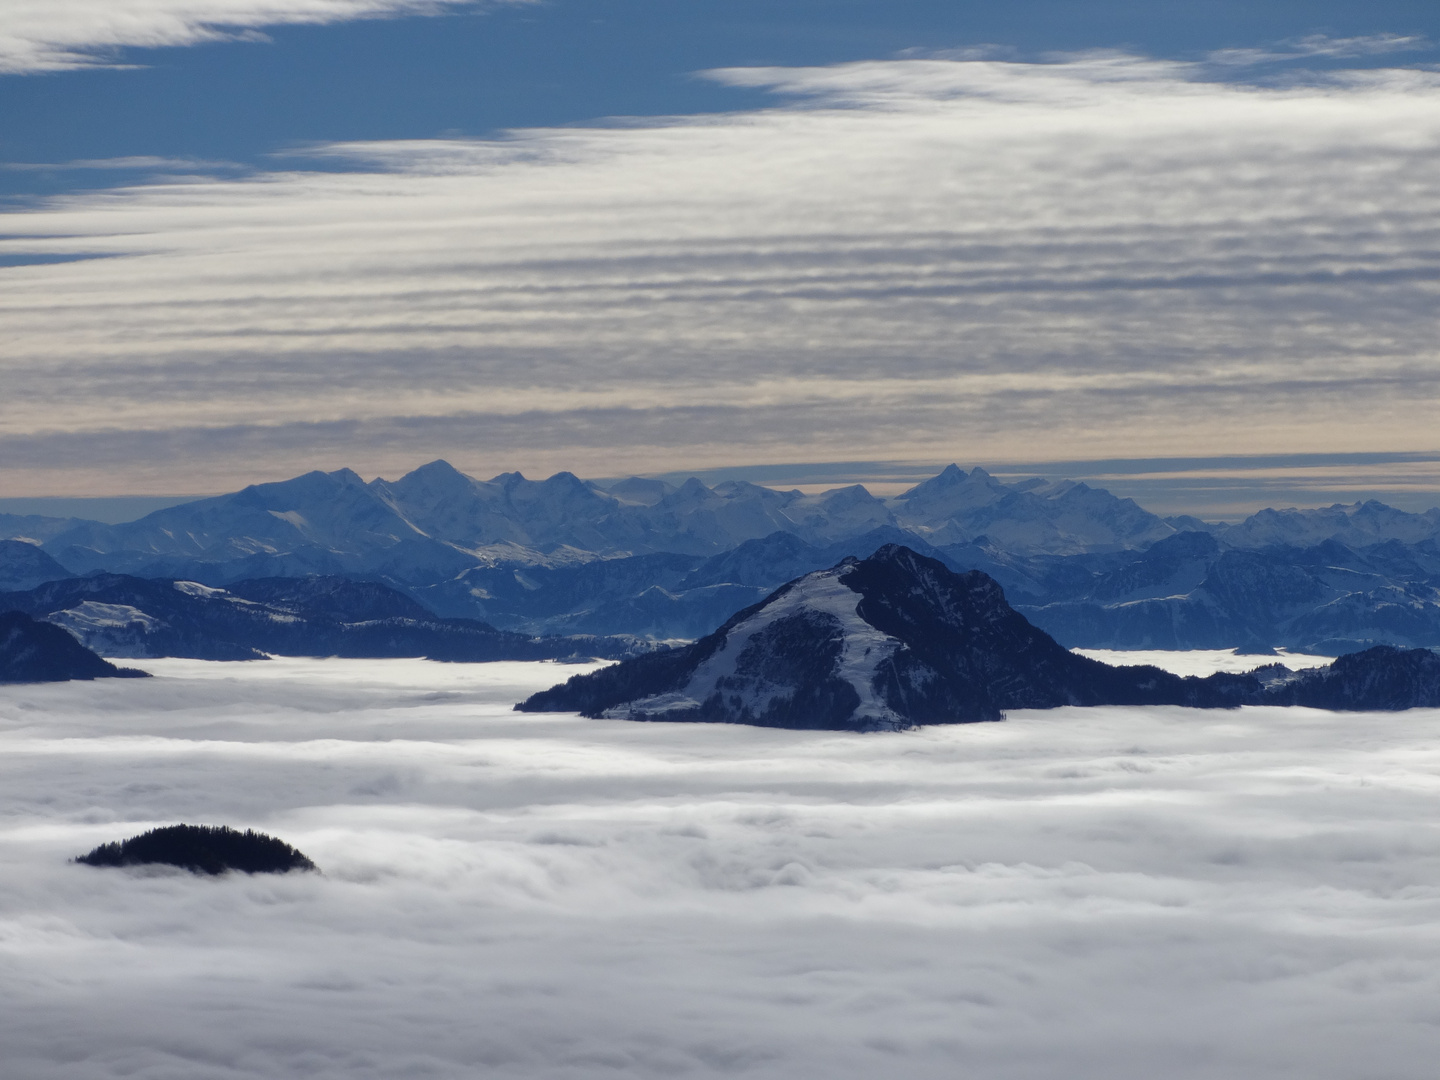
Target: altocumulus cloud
{"x":1117,"y":894}
{"x":57,"y":35}
{"x":1102,"y":256}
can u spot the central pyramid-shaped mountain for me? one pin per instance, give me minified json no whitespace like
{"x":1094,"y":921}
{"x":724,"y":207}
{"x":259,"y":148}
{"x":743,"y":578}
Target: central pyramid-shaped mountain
{"x":880,"y":644}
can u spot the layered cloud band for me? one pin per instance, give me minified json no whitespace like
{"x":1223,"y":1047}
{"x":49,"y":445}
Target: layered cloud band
{"x":930,"y":258}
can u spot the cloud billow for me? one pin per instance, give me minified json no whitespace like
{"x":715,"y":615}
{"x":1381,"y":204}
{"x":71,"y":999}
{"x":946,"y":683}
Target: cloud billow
{"x":1101,"y":256}
{"x":61,"y":35}
{"x":1130,"y":892}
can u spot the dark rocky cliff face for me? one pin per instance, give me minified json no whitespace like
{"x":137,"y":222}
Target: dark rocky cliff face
{"x":33,"y":651}
{"x":966,"y":653}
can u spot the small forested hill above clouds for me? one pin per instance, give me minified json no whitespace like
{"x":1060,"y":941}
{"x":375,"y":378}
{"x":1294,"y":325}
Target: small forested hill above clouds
{"x":24,"y":565}
{"x":876,"y":644}
{"x":33,"y":651}
{"x":118,"y":615}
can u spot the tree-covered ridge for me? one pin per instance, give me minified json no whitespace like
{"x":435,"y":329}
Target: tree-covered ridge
{"x":32,"y":651}
{"x":202,"y":849}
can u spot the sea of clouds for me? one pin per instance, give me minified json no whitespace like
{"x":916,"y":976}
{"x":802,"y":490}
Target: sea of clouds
{"x":1117,"y":893}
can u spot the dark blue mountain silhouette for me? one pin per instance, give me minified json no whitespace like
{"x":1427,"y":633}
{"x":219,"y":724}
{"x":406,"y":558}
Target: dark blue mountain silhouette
{"x":32,"y":651}
{"x":900,"y":639}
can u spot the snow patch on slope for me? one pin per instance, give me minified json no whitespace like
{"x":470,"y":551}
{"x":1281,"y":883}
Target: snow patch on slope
{"x":862,"y":649}
{"x":117,"y":630}
{"x":91,"y":616}
{"x":194,"y":588}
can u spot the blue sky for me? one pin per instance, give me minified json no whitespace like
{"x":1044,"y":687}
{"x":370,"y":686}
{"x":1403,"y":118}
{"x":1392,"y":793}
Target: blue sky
{"x":483,"y":69}
{"x":626,"y":235}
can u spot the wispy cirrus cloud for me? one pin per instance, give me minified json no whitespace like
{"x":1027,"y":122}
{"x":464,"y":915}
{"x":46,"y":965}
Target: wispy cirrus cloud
{"x":138,"y":163}
{"x":1322,"y":47}
{"x":911,"y":260}
{"x":57,"y":35}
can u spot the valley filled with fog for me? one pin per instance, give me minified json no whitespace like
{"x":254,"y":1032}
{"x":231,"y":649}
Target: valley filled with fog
{"x":1134,"y":892}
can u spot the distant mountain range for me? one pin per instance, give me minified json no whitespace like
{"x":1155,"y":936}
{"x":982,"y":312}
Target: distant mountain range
{"x":644,"y":558}
{"x":1193,"y":591}
{"x":37,"y":528}
{"x":436,"y":521}
{"x":899,"y":639}
{"x":24,"y":565}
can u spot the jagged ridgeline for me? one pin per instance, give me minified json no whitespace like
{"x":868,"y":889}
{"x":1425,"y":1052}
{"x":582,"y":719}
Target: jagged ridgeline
{"x":443,"y":565}
{"x":202,"y":849}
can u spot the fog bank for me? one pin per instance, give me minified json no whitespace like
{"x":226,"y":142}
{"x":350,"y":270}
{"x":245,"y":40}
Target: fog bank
{"x":1116,"y":893}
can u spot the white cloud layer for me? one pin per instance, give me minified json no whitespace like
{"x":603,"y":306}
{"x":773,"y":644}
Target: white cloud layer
{"x":917,"y":259}
{"x":1109,"y":893}
{"x":56,"y":35}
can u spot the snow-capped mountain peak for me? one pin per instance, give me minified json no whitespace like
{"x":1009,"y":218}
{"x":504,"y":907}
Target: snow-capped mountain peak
{"x":810,"y":631}
{"x":876,"y":644}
